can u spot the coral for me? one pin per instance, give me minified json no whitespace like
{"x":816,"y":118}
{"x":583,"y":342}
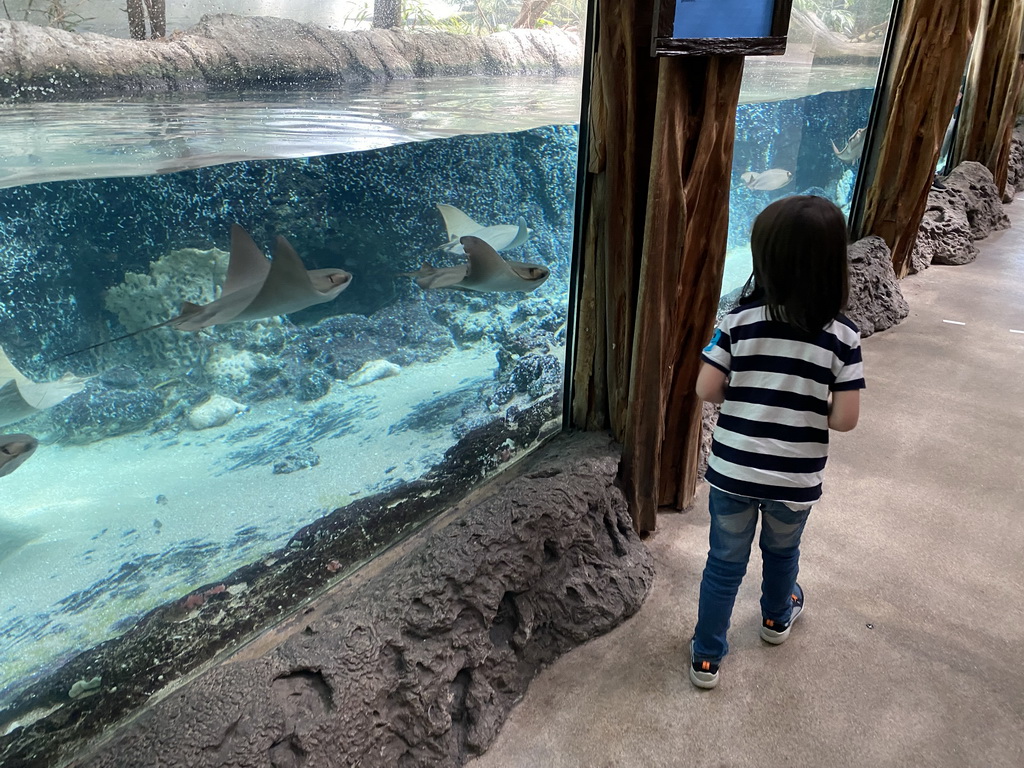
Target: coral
{"x":141,"y":301}
{"x":230,"y":370}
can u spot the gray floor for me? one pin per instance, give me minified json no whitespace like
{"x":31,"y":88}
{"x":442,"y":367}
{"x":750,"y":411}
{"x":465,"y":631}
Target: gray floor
{"x":911,"y":651}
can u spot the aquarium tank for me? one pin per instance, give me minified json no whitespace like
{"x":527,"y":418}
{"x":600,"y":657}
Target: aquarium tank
{"x":250,"y":339}
{"x":803,"y":117}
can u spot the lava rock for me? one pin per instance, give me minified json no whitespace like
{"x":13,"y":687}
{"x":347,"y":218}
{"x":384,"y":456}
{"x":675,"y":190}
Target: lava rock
{"x":312,"y":386}
{"x":876,"y":301}
{"x":984,"y":202}
{"x":945,"y":235}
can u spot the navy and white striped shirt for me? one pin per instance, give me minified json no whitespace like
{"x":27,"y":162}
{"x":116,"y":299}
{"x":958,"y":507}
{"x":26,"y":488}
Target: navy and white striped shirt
{"x":771,"y":441}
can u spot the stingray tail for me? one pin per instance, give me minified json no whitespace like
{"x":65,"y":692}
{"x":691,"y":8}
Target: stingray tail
{"x":111,"y":341}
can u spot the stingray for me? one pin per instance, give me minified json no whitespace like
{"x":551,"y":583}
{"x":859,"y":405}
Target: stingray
{"x":854,"y":146}
{"x":256,"y":288}
{"x":14,"y":451}
{"x":485,"y":271}
{"x":766,"y":181}
{"x":500,"y":237}
{"x":21,"y":397}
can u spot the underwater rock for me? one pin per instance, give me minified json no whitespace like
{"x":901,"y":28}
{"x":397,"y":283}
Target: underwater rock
{"x":944,"y":236}
{"x":99,"y":412}
{"x":371,"y":371}
{"x":84,"y":688}
{"x":121,"y":377}
{"x":293,"y":462}
{"x":231,"y":370}
{"x":876,"y":301}
{"x":984,"y":202}
{"x":215,"y":412}
{"x":312,"y":386}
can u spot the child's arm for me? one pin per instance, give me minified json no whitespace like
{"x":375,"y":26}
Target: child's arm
{"x":844,"y":410}
{"x":711,"y":384}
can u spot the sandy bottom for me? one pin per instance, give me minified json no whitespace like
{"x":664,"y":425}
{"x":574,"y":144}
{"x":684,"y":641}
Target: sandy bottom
{"x":92,"y":537}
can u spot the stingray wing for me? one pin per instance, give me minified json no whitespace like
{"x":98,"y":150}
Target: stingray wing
{"x":456,"y":222}
{"x":14,"y":451}
{"x":286,"y":289}
{"x":247,"y":264}
{"x":442,"y":277}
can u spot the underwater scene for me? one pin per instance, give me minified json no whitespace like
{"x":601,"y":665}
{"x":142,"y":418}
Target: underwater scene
{"x":812,"y":142}
{"x":407,"y":337}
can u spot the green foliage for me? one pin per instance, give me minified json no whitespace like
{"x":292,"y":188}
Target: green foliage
{"x":477,"y":17}
{"x":49,"y":13}
{"x":834,"y":14}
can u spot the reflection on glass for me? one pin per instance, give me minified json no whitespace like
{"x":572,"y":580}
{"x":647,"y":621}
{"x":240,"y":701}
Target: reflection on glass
{"x":243,"y":406}
{"x":802,"y":117}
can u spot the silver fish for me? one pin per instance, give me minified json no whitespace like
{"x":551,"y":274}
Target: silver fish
{"x":773,"y":178}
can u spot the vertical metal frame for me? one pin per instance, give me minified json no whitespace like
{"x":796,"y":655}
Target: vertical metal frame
{"x":877,"y":123}
{"x":580,"y":214}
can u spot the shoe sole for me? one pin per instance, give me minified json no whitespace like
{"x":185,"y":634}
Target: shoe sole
{"x":703,"y":679}
{"x":778,"y":638}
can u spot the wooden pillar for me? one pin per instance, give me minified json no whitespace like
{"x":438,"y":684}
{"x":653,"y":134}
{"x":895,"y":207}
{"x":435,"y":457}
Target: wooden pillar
{"x":681,"y":277}
{"x":996,"y":86}
{"x":934,"y":43}
{"x":621,"y":125}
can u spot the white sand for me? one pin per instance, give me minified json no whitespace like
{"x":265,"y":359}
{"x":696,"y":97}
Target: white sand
{"x":64,"y":496}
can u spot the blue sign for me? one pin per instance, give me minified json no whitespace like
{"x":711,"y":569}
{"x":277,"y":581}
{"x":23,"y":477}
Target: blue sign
{"x":723,"y":18}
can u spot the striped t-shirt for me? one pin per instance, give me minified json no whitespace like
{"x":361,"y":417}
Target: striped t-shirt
{"x":771,"y":441}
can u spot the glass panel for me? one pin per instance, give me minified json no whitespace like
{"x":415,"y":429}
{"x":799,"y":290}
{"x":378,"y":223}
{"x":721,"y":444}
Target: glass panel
{"x":802,"y":117}
{"x":254,"y":411}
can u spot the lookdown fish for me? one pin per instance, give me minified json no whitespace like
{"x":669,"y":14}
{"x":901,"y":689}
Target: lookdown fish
{"x":766,"y":181}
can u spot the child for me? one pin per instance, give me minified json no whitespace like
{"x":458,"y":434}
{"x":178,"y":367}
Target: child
{"x":786,"y":367}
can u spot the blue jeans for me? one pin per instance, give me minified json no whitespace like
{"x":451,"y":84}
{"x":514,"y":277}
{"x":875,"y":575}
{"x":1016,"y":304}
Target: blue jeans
{"x":733,"y":520}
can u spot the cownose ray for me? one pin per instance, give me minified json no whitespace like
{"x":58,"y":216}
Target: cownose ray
{"x":14,"y":451}
{"x":485,"y":271}
{"x":256,"y":288}
{"x":766,"y":181}
{"x":501,"y":237}
{"x":854,"y":146}
{"x":21,"y":397}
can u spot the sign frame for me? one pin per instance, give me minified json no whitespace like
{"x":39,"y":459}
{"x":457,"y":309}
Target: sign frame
{"x":664,"y":44}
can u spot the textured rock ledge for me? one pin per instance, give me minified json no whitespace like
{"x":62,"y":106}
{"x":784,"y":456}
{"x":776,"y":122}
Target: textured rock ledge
{"x":968,"y":209}
{"x":235,"y":52}
{"x":419,"y":664}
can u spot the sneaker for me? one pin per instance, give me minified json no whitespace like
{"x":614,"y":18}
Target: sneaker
{"x":703,"y":674}
{"x":775,"y":633}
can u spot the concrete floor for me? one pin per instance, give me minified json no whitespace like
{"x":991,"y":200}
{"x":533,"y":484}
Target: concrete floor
{"x":911,"y":651}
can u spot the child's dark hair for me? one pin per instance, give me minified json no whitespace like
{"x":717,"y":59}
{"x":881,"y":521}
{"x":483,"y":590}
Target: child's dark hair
{"x":800,"y":267}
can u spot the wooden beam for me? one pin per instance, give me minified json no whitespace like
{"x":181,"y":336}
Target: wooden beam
{"x":681,"y":277}
{"x":621,"y":125}
{"x":934,"y":42}
{"x":985,"y":134}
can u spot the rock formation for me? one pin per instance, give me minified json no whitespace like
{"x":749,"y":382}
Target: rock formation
{"x":237,"y":53}
{"x":876,"y":302}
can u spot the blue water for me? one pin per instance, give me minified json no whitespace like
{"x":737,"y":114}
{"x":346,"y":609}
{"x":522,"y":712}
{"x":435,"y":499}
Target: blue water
{"x":126,"y":505}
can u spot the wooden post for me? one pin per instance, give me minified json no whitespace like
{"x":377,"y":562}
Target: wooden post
{"x":621,"y":124}
{"x":935,"y":38}
{"x":985,"y":133}
{"x":681,"y":277}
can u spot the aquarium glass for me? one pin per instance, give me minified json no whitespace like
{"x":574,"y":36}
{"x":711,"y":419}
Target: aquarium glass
{"x":303,"y":412}
{"x":802,"y":117}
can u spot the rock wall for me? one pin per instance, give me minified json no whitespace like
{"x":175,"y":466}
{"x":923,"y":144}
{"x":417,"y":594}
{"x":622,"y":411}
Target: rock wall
{"x":420,"y":664}
{"x":236,"y":52}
